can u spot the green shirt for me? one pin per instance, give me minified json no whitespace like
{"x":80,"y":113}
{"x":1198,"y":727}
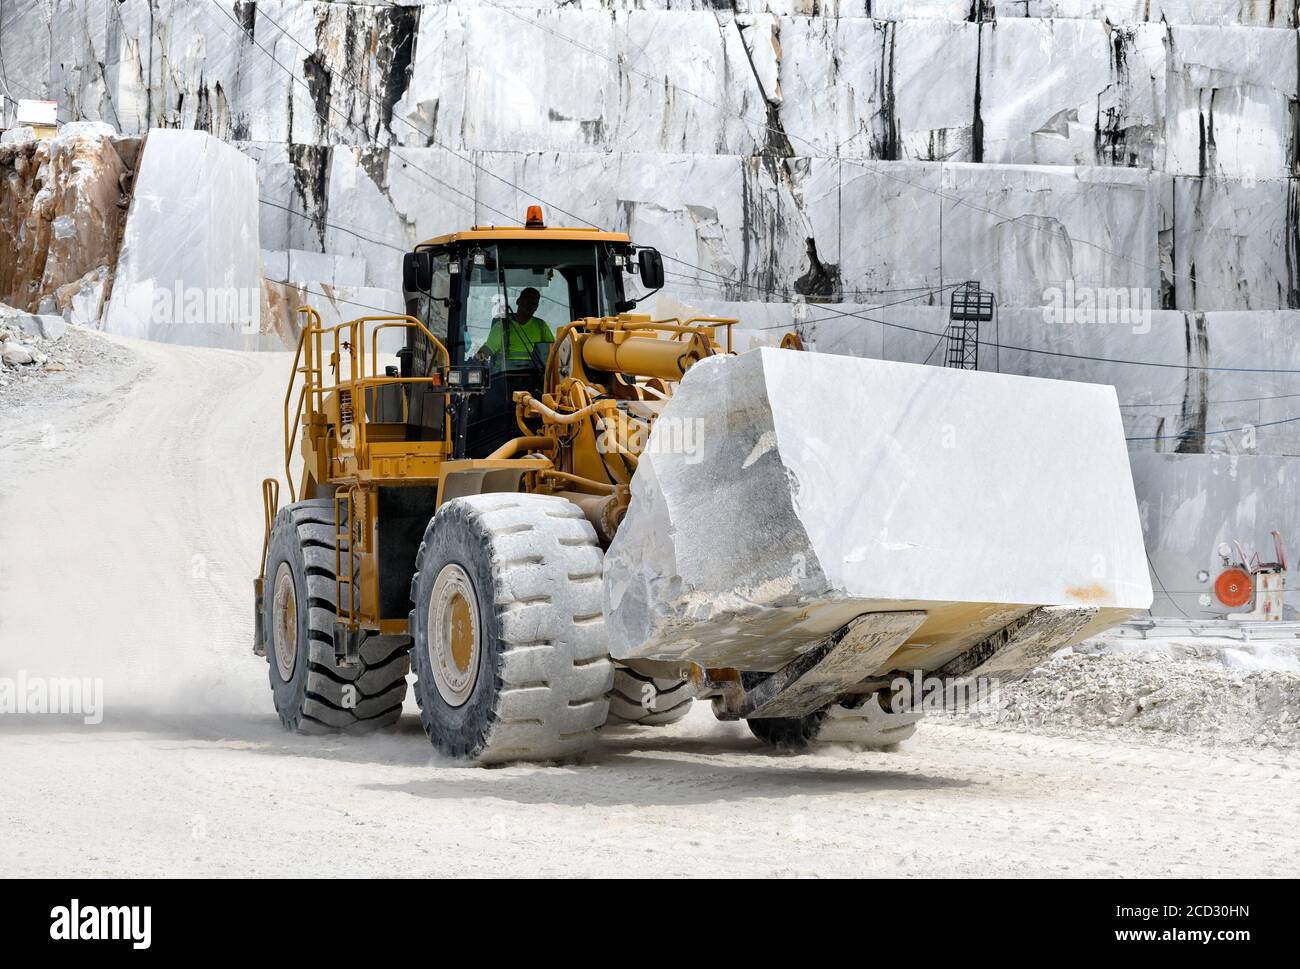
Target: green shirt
{"x":521,"y":338}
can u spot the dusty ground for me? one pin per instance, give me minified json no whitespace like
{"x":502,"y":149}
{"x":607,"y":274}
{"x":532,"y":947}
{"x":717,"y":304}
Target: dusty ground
{"x":131,"y":531}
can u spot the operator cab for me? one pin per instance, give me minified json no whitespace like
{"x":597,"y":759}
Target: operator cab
{"x":497,"y":297}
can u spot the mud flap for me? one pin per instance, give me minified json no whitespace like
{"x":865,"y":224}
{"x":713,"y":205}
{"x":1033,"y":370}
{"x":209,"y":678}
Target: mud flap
{"x":347,"y":644}
{"x":259,"y":630}
{"x":1012,"y":652}
{"x":815,"y":678}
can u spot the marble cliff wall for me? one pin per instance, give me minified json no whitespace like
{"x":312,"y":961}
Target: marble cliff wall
{"x":799,"y":159}
{"x":748,"y":139}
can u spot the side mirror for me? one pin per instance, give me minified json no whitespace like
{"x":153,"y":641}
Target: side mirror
{"x":417,"y":272}
{"x":650,"y":267}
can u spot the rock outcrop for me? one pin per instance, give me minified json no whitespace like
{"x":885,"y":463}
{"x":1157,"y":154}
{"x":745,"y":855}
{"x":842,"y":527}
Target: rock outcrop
{"x":62,"y":210}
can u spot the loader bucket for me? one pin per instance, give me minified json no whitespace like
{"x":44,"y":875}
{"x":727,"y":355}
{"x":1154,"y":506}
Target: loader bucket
{"x":783,"y":494}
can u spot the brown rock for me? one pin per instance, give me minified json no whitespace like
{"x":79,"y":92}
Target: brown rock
{"x":59,"y":217}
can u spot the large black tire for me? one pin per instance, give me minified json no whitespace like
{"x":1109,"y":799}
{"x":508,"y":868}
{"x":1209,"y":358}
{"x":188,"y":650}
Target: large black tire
{"x":648,"y":701}
{"x":509,"y":636}
{"x":787,"y":733}
{"x":312,"y":693}
{"x":868,"y":724}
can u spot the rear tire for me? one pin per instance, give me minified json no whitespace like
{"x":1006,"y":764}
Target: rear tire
{"x":311,"y":692}
{"x":509,"y":636}
{"x":648,"y":701}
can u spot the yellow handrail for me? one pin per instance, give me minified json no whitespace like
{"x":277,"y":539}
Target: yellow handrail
{"x":291,"y":434}
{"x":309,"y":361}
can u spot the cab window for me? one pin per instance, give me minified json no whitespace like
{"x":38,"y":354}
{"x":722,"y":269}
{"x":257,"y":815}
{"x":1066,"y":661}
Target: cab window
{"x":572,"y":281}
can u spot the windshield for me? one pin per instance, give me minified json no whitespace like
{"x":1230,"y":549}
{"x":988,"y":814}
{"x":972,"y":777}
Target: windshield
{"x":520,"y":294}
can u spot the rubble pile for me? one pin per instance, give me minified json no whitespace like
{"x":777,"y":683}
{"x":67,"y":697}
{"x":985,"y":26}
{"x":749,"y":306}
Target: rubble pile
{"x":31,"y":346}
{"x":43,"y":357}
{"x":1159,"y":699}
{"x":26,"y":341}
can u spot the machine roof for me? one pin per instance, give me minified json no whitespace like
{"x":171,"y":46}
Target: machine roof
{"x":553,"y":233}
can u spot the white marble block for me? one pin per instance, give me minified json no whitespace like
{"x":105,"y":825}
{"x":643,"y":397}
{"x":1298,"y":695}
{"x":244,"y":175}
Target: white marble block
{"x":190,"y":269}
{"x":784,"y":493}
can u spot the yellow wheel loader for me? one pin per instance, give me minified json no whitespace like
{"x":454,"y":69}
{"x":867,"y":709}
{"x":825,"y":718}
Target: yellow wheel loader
{"x":558,"y":513}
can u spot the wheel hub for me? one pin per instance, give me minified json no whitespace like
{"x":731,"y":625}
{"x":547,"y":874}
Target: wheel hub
{"x":453,"y":635}
{"x":284,"y":621}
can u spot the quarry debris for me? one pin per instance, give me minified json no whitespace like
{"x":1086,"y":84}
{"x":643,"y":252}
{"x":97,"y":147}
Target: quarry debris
{"x":1158,"y":700}
{"x":15,"y":354}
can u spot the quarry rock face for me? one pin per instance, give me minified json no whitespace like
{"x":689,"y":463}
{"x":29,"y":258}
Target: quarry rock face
{"x":1015,"y":226}
{"x":61,"y":212}
{"x":1191,"y":504}
{"x":305,"y":265}
{"x":82,"y":302}
{"x":335,"y":304}
{"x":783,"y":493}
{"x":190,"y":268}
{"x":1072,"y":92}
{"x":1238,"y":237}
{"x":799,"y":159}
{"x":1232,"y":103}
{"x":748,"y":141}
